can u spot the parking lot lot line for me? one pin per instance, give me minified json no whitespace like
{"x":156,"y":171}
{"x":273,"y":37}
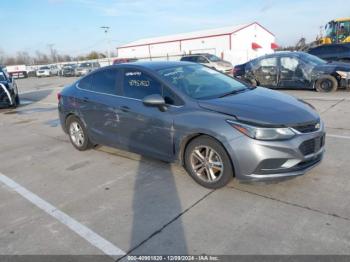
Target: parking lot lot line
{"x":338,"y":136}
{"x":27,"y":101}
{"x":93,"y":238}
{"x":39,"y":90}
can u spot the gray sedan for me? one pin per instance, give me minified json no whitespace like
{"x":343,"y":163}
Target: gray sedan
{"x":215,"y":126}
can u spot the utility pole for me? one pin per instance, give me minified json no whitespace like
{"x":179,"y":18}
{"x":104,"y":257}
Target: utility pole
{"x":106,"y":30}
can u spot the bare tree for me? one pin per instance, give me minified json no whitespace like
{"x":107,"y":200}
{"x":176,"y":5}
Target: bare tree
{"x":23,"y":58}
{"x":2,"y":57}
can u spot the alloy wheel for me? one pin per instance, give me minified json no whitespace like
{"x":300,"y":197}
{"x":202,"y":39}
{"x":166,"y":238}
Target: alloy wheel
{"x":207,"y":164}
{"x":77,"y":134}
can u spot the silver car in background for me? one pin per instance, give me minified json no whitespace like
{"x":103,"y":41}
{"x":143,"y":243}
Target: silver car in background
{"x":211,"y":61}
{"x":86,"y":67}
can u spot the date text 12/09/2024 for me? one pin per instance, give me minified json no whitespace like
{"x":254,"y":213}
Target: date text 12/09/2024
{"x":173,"y":258}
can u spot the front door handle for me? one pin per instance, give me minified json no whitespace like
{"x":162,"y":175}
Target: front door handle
{"x":85,"y":99}
{"x":125,"y":108}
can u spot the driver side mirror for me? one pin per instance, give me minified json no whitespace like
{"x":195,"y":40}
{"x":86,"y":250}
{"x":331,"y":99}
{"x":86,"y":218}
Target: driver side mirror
{"x":155,"y":100}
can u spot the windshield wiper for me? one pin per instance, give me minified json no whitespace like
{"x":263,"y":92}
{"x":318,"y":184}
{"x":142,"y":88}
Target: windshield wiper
{"x":233,"y":92}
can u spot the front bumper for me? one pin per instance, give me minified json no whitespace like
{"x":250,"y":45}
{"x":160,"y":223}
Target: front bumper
{"x":264,"y":160}
{"x":345,"y":83}
{"x":39,"y":74}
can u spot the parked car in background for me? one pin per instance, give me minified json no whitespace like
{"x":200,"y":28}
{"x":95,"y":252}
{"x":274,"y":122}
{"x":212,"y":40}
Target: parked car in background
{"x":17,"y":71}
{"x":85,"y":68}
{"x":211,"y":61}
{"x":54,"y":70}
{"x":216,"y":126}
{"x":31,"y":71}
{"x":43,"y":71}
{"x":296,"y":70}
{"x":332,"y":52}
{"x":68,"y":70}
{"x":123,"y":60}
{"x":8,"y":90}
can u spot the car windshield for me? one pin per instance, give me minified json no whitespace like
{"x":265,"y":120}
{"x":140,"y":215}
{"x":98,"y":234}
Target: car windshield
{"x":44,"y":68}
{"x":312,"y":59}
{"x":213,"y":58}
{"x":200,"y":82}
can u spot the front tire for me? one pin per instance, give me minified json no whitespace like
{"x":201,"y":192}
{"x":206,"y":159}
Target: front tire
{"x":208,"y":163}
{"x":77,"y":133}
{"x":326,"y":83}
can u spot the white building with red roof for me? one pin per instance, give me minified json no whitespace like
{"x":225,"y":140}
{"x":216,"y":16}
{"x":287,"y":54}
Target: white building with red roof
{"x":236,"y":44}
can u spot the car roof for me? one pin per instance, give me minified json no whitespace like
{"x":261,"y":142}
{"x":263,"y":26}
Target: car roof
{"x":197,"y":54}
{"x":153,"y":65}
{"x":282,"y":53}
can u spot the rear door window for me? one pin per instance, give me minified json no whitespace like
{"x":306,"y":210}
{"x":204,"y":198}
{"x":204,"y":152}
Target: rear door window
{"x":138,"y":84}
{"x":105,"y":81}
{"x":86,"y":83}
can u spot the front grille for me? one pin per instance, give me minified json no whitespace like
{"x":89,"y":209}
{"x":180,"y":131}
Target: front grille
{"x":307,"y":128}
{"x":312,"y":146}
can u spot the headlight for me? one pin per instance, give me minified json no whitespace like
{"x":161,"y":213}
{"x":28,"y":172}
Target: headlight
{"x":263,"y":133}
{"x":343,"y":74}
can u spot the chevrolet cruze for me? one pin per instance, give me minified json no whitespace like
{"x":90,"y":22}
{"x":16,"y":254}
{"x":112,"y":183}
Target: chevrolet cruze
{"x":216,"y":127}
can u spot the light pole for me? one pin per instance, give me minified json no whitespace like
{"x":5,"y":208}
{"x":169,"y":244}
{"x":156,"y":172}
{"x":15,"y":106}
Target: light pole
{"x":106,"y":30}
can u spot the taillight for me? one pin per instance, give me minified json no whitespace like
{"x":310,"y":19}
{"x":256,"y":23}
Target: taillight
{"x":59,"y":96}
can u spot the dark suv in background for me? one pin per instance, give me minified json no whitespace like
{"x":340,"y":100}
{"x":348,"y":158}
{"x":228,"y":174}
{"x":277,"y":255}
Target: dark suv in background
{"x":335,"y":52}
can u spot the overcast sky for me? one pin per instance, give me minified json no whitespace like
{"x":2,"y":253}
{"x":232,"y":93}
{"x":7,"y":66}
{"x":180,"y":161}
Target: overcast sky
{"x":73,"y":26}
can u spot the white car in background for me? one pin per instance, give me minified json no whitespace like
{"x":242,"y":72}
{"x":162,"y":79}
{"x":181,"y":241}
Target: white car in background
{"x":43,"y":71}
{"x":47,"y":71}
{"x":54,"y":69}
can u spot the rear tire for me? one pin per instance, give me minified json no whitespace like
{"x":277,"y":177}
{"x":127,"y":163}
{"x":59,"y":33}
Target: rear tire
{"x":77,"y":132}
{"x":17,"y":101}
{"x":326,"y":83}
{"x":208,"y":163}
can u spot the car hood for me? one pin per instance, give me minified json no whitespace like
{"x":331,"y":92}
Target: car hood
{"x":333,"y":66}
{"x":223,"y":64}
{"x":264,"y":107}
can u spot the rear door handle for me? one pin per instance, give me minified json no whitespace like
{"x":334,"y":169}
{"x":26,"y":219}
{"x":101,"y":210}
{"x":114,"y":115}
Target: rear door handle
{"x":85,"y":99}
{"x":125,"y":108}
